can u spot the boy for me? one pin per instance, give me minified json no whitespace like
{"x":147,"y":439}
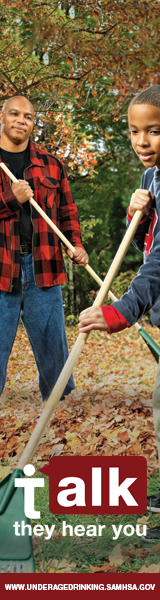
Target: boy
{"x":144,"y":291}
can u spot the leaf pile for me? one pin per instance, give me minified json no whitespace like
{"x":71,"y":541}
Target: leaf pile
{"x":110,"y":413}
{"x":120,"y":554}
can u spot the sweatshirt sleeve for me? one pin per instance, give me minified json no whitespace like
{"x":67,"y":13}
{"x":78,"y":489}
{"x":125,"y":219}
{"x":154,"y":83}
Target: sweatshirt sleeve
{"x":142,"y":293}
{"x":115,"y":321}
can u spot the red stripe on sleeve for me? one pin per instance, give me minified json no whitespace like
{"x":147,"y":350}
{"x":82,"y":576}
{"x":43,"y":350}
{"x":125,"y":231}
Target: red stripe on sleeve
{"x":129,"y":217}
{"x":114,"y":319}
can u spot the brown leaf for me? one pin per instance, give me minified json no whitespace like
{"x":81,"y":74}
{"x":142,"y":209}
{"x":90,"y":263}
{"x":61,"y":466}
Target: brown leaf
{"x":64,"y":566}
{"x":106,"y":568}
{"x":128,"y":552}
{"x":116,"y":556}
{"x":136,"y":405}
{"x":143,"y":520}
{"x":150,"y":569}
{"x":4,"y":471}
{"x":157,"y":547}
{"x":123,"y":437}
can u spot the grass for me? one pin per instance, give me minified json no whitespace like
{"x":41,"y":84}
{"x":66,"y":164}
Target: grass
{"x":85,"y":551}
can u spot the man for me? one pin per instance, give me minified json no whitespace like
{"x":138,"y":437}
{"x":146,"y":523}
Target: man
{"x":31,"y":261}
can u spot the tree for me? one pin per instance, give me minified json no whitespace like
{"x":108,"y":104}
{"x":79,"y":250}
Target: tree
{"x":80,"y":62}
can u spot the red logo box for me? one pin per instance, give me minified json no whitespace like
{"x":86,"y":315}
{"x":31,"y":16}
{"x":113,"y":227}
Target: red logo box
{"x":97,"y":485}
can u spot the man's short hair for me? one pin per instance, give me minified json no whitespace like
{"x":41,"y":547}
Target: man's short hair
{"x":149,"y":96}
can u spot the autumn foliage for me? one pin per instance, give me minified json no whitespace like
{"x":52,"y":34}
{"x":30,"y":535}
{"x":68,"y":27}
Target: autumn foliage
{"x":78,"y":62}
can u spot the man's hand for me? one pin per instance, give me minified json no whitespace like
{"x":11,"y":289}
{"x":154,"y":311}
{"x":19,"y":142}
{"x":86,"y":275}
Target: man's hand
{"x":22,"y":191}
{"x":141,"y":200}
{"x":80,"y":256}
{"x":92,"y":318}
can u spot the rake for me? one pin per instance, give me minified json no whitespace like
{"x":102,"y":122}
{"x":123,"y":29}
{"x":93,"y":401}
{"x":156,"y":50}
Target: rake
{"x":16,"y":554}
{"x":153,"y":347}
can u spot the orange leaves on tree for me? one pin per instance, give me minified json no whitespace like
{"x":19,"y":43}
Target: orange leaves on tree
{"x":69,"y":60}
{"x":95,"y":15}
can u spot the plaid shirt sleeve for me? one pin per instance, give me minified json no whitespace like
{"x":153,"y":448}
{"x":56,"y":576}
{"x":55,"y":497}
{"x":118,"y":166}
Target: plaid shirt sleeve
{"x":69,"y":219}
{"x":8,"y":204}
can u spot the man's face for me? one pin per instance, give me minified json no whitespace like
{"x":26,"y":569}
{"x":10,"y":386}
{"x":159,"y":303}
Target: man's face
{"x":17,"y":120}
{"x":144,"y":124}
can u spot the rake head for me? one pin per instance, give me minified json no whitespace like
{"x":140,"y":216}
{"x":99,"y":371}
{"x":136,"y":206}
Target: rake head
{"x":16,"y":555}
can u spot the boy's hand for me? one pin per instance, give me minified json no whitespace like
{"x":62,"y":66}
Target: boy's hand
{"x":141,"y":200}
{"x":79,"y":256}
{"x":92,"y":318}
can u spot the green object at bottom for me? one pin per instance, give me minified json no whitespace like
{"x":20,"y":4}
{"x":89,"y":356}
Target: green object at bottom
{"x":153,"y":347}
{"x":16,"y":553}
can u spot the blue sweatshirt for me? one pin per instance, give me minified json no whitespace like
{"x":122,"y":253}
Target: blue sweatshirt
{"x":144,"y":290}
{"x":149,"y":227}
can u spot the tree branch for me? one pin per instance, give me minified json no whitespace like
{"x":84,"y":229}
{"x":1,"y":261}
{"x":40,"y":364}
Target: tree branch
{"x":8,"y":79}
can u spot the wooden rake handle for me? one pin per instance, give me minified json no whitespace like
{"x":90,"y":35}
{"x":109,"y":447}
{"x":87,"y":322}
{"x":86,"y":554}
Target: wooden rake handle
{"x":80,"y":342}
{"x":50,"y":223}
{"x":75,"y":352}
{"x":60,"y":234}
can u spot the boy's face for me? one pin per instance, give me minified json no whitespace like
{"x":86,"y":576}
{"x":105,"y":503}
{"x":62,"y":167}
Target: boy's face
{"x":144,"y":124}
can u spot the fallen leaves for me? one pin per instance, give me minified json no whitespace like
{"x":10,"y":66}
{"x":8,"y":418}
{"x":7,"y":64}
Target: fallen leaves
{"x":116,"y":557}
{"x":143,"y":520}
{"x":157,"y":547}
{"x":65,"y":566}
{"x":119,"y":554}
{"x":57,"y":566}
{"x":106,"y":568}
{"x":4,"y":471}
{"x":104,"y":416}
{"x":150,"y":569}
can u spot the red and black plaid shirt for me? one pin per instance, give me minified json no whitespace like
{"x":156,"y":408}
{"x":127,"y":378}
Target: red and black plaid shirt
{"x":47,"y":178}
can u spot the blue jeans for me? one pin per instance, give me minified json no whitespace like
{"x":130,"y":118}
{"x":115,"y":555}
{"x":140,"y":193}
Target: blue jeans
{"x":41,"y":310}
